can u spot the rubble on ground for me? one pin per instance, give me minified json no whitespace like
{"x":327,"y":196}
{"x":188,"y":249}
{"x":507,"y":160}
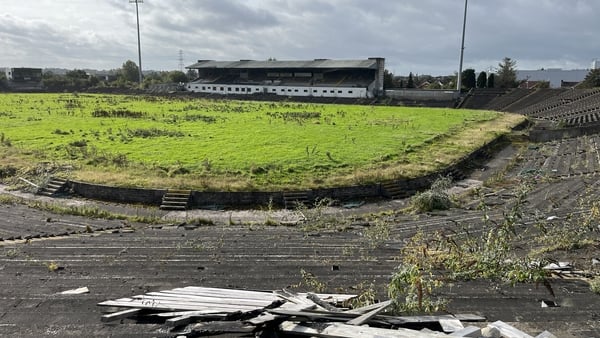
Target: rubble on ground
{"x":199,"y":311}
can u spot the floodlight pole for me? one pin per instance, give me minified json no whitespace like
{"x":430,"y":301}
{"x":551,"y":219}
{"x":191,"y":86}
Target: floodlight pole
{"x":462,"y":51}
{"x":137,"y":16}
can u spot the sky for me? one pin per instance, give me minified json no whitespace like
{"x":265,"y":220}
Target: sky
{"x":418,"y":36}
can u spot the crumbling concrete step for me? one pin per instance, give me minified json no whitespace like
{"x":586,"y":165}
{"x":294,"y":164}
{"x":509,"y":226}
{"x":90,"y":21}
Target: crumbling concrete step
{"x":456,"y":174}
{"x":392,"y":189}
{"x":176,"y":200}
{"x":53,"y":187}
{"x":295,"y":199}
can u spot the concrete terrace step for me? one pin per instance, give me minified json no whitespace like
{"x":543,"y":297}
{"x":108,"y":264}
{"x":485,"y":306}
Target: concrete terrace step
{"x":176,"y":199}
{"x":392,"y":189}
{"x":294,"y":199}
{"x":53,"y":187}
{"x":456,"y":174}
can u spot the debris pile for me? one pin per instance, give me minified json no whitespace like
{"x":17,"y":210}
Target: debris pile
{"x":200,"y":311}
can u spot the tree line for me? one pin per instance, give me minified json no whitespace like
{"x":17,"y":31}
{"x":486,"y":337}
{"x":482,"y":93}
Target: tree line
{"x":125,"y":77}
{"x":505,"y":76}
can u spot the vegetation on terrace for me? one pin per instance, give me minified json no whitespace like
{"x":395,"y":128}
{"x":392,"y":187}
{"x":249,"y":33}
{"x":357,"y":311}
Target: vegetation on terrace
{"x":148,"y":141}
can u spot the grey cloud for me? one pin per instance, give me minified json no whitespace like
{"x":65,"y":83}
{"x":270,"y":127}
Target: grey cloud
{"x":419,"y":36}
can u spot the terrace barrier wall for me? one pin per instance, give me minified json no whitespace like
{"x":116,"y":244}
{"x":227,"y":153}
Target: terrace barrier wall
{"x":117,"y":194}
{"x":546,"y":135}
{"x":422,"y":94}
{"x":201,"y":199}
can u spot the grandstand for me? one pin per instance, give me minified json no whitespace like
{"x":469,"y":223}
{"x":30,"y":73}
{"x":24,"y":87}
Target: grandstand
{"x":316,"y":78}
{"x":24,"y":78}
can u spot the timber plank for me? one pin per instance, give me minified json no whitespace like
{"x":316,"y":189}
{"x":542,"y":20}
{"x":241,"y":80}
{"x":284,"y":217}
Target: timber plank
{"x":224,"y":293}
{"x":339,"y":330}
{"x":315,"y":299}
{"x":267,"y":317}
{"x":508,"y":331}
{"x":368,"y":315}
{"x":333,"y":297}
{"x":295,"y":298}
{"x":202,"y":299}
{"x":222,"y":329}
{"x":363,"y":309}
{"x":451,"y":325}
{"x":167,"y":306}
{"x":153,"y":301}
{"x":167,"y":300}
{"x":197,"y":313}
{"x":345,"y":316}
{"x":181,"y":320}
{"x":469,"y":331}
{"x":120,"y":315}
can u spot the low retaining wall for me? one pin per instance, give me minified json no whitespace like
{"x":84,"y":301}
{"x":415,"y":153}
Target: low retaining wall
{"x":546,"y":135}
{"x":117,"y":194}
{"x":243,"y":199}
{"x":422,"y":94}
{"x":347,"y":193}
{"x":235,"y":198}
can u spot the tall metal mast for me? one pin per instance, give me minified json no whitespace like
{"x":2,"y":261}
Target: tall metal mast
{"x":137,"y":16}
{"x":462,"y":51}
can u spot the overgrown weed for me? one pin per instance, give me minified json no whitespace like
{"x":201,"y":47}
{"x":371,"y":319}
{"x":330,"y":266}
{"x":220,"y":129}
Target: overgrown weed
{"x":435,"y":198}
{"x":413,"y":290}
{"x":316,"y":218}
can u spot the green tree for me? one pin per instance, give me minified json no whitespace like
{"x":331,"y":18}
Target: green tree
{"x":192,"y":74}
{"x":177,"y":76}
{"x":435,"y":84}
{"x":76,"y":79}
{"x":53,"y":81}
{"x":410,"y":83}
{"x":388,"y":79}
{"x":491,"y":81}
{"x":129,"y":71}
{"x":76,"y":74}
{"x":482,"y":80}
{"x":468,"y":79}
{"x":155,"y":78}
{"x":592,"y":79}
{"x":3,"y":82}
{"x":93,"y":81}
{"x":507,"y":73}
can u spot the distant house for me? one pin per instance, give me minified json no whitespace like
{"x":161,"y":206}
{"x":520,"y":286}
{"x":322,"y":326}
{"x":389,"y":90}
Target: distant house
{"x":107,"y":76}
{"x":554,"y":76}
{"x":569,"y":84}
{"x":24,"y":78}
{"x":530,"y":84}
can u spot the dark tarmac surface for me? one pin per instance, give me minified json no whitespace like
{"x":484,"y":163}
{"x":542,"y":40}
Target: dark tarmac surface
{"x":116,"y":258}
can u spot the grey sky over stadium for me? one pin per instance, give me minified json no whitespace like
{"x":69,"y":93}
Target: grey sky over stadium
{"x":419,"y":36}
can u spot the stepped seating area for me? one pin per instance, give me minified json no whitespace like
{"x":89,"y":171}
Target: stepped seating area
{"x":535,"y":97}
{"x":343,"y":80}
{"x":501,"y":102}
{"x":573,"y":106}
{"x":329,"y":79}
{"x":480,"y":98}
{"x":563,"y":158}
{"x":557,"y":102}
{"x":567,"y":107}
